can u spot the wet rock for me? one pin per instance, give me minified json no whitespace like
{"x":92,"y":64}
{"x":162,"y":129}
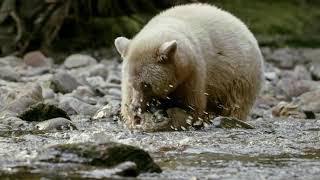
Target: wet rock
{"x":114,"y":92}
{"x":99,"y":70}
{"x":229,"y":122}
{"x":74,"y":106}
{"x":15,"y":123}
{"x":113,"y":78}
{"x":79,"y":60}
{"x":271,"y":76}
{"x":41,"y":112}
{"x":7,"y":73}
{"x":63,"y":82}
{"x":11,"y":61}
{"x":108,"y":154}
{"x":126,"y":169}
{"x":36,"y":59}
{"x":310,"y":101}
{"x":95,"y":81}
{"x":48,"y":93}
{"x":56,"y":124}
{"x":315,"y":70}
{"x":23,"y":100}
{"x":111,"y":110}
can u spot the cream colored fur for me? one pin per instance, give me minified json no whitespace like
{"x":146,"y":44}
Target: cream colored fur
{"x":217,"y":66}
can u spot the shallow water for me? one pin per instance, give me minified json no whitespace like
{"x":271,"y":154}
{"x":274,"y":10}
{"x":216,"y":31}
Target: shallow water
{"x":276,"y":149}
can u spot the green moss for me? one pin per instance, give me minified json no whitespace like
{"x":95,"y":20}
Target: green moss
{"x":280,"y":23}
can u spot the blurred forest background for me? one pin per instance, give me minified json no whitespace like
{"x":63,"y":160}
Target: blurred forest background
{"x":74,"y":25}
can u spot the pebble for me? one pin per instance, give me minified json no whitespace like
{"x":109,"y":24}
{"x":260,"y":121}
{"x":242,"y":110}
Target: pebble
{"x":36,"y":59}
{"x":229,"y":122}
{"x":310,"y":101}
{"x":112,"y":109}
{"x":286,"y":58}
{"x":79,"y":60}
{"x":315,"y":71}
{"x":56,"y":124}
{"x":8,"y":74}
{"x":11,"y":61}
{"x":74,"y":106}
{"x":63,"y":82}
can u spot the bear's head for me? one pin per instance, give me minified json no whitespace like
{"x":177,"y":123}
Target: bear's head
{"x":148,"y":69}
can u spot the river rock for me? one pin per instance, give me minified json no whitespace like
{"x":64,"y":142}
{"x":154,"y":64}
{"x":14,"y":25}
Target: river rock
{"x":229,"y":122}
{"x":23,"y":100}
{"x":56,"y":124}
{"x":79,"y":60}
{"x":36,"y":59}
{"x":15,"y":123}
{"x":108,"y":154}
{"x":311,"y":54}
{"x":111,"y":110}
{"x":75,"y":106}
{"x":294,"y":88}
{"x":41,"y":112}
{"x":310,"y":101}
{"x":315,"y":70}
{"x":286,"y":58}
{"x":64,"y":83}
{"x":7,"y":73}
{"x":12,"y":61}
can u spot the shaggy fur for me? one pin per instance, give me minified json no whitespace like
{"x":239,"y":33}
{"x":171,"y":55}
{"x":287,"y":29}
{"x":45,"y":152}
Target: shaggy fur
{"x":200,"y":57}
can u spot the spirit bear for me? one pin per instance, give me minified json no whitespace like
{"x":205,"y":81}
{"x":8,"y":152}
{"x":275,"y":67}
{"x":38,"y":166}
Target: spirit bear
{"x":197,"y":60}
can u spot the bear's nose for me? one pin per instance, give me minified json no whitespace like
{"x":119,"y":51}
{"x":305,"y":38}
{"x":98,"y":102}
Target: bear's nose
{"x":137,"y":120}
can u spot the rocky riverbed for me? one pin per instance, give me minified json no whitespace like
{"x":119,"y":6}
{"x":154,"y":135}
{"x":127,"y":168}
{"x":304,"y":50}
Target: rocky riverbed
{"x":62,"y":121}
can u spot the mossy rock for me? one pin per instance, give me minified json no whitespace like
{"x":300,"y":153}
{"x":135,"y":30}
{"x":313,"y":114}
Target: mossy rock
{"x":108,"y":154}
{"x":41,"y":112}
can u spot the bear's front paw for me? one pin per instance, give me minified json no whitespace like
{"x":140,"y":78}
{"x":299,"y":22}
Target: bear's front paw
{"x":149,"y":122}
{"x":180,"y":119}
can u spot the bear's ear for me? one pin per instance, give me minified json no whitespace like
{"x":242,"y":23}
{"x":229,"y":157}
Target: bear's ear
{"x":121,"y":44}
{"x":167,"y":50}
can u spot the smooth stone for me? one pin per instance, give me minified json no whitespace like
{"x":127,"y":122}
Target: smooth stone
{"x":63,"y":82}
{"x":294,"y":88}
{"x":310,"y":101}
{"x":12,"y":61}
{"x":79,"y":60}
{"x":286,"y":57}
{"x":315,"y":70}
{"x":35,"y":59}
{"x":113,"y":79}
{"x":112,"y":85}
{"x":15,"y":122}
{"x":114,"y":92}
{"x":74,"y":106}
{"x":41,"y":112}
{"x":112,"y":109}
{"x":8,"y":74}
{"x":56,"y":124}
{"x":98,"y":70}
{"x":23,"y":100}
{"x":95,"y":81}
{"x":126,"y":169}
{"x":311,"y":54}
{"x":270,"y":76}
{"x":229,"y":122}
{"x":109,"y":154}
